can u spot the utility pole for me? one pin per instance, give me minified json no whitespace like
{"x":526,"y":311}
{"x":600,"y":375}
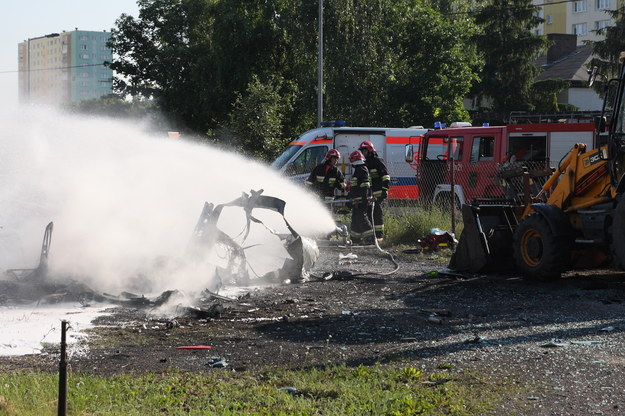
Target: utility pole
{"x":320,"y":68}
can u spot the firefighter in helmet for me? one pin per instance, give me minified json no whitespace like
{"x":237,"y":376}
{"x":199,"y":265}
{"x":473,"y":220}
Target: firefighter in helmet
{"x":380,"y":181}
{"x":359,"y":192}
{"x":326,"y":177}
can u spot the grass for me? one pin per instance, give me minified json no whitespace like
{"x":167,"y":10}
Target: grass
{"x":339,"y":390}
{"x":406,"y":225}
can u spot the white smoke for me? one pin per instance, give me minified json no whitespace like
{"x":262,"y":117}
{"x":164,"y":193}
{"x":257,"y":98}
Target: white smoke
{"x":124,"y":204}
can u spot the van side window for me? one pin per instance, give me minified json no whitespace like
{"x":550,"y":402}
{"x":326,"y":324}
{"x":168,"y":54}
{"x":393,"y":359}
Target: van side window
{"x":483,"y":148}
{"x":308,"y":159}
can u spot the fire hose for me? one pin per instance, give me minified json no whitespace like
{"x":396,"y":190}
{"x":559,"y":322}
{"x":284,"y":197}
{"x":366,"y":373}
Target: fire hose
{"x":348,"y":274}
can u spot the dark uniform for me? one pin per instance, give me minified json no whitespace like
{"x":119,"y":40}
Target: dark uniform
{"x":361,"y":228}
{"x":324,"y":179}
{"x":380,"y":181}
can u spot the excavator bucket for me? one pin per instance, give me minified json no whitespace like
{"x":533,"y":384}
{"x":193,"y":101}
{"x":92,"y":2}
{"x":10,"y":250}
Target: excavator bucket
{"x":486,"y":240}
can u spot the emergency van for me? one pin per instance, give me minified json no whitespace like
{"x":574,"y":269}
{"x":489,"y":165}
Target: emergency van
{"x":478,"y":153}
{"x":310,"y":148}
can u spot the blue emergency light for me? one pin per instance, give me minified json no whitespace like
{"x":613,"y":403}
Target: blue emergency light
{"x":333,"y":123}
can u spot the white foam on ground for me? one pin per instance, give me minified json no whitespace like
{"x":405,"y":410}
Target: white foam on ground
{"x":27,"y":329}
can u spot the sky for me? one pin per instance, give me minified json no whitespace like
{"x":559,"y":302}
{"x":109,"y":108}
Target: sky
{"x":23,"y":19}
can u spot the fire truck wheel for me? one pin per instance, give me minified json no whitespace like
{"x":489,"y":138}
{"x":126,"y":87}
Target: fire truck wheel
{"x":618,"y":232}
{"x":539,"y":254}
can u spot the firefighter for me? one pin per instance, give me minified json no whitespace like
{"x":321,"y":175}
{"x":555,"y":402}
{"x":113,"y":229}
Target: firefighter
{"x":380,"y":181}
{"x":326,"y":177}
{"x":359,"y":192}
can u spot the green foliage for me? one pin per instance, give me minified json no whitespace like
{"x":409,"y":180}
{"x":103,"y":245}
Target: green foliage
{"x":114,"y":106}
{"x":544,"y":95}
{"x":607,"y":50}
{"x":247,"y":69}
{"x":509,"y":48}
{"x":397,"y":63}
{"x":256,"y":120}
{"x":334,"y":391}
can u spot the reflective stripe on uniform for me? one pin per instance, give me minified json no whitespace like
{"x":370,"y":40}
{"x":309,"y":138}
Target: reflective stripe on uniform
{"x":364,"y":234}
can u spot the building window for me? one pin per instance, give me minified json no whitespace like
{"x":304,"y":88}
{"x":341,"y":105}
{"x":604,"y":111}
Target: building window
{"x":83,"y":47}
{"x":549,"y":19}
{"x":83,"y":37}
{"x":601,"y":24}
{"x":580,"y":29}
{"x":84,"y":56}
{"x":579,"y":6}
{"x":603,"y":4}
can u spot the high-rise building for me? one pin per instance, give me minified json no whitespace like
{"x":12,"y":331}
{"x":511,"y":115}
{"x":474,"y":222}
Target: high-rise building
{"x":576,"y":17}
{"x":63,"y":68}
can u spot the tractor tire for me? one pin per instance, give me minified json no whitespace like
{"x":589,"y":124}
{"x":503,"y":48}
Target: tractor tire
{"x":539,"y":254}
{"x":618,"y":233}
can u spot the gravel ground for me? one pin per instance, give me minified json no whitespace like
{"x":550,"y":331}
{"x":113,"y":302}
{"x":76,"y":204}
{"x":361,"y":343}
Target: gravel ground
{"x":562,"y":341}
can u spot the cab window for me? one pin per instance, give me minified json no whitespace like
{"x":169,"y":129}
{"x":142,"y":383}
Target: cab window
{"x":456,"y":144}
{"x":307,"y":160}
{"x":438,"y":148}
{"x":482,"y":149}
{"x":435,"y":149}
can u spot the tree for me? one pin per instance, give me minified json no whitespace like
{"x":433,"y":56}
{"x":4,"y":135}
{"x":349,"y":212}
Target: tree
{"x":397,"y":63}
{"x":510,"y":49}
{"x":438,"y":65}
{"x":607,"y":51}
{"x":255,"y":124}
{"x":234,"y":65}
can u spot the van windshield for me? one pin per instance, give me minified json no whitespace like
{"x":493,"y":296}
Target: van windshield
{"x":285,"y":156}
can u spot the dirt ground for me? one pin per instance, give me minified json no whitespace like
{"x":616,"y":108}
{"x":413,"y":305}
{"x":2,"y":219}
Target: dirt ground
{"x":564,"y":340}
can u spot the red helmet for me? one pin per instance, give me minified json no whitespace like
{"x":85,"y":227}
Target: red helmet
{"x":356,"y":156}
{"x":333,"y":153}
{"x":368,"y":146}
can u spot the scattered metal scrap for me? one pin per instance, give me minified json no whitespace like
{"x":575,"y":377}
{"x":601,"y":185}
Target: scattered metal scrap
{"x":303,"y":252}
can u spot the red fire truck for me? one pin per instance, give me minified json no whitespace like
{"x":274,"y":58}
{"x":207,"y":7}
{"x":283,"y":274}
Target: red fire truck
{"x":478,"y":153}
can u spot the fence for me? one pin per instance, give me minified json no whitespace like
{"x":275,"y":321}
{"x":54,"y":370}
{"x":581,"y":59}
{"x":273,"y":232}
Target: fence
{"x":435,"y":181}
{"x":482,"y":182}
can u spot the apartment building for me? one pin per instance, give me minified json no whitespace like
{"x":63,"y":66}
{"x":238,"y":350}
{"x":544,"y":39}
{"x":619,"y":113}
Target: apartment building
{"x":63,"y":68}
{"x":576,"y":17}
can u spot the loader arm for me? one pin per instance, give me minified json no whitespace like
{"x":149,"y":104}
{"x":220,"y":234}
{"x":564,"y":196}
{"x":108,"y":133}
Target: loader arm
{"x":581,"y":180}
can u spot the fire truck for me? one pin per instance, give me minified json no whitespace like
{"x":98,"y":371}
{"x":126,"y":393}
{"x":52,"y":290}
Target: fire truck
{"x":309,"y":149}
{"x":479,"y":153}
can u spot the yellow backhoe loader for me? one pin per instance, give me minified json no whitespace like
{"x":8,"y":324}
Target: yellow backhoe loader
{"x":576,"y":219}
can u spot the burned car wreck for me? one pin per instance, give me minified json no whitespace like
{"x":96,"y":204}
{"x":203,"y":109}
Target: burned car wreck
{"x":38,"y":284}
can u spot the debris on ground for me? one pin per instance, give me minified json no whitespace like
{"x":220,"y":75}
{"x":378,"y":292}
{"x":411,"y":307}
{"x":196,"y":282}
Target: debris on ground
{"x":37,"y":284}
{"x":438,"y":239}
{"x":554,"y":343}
